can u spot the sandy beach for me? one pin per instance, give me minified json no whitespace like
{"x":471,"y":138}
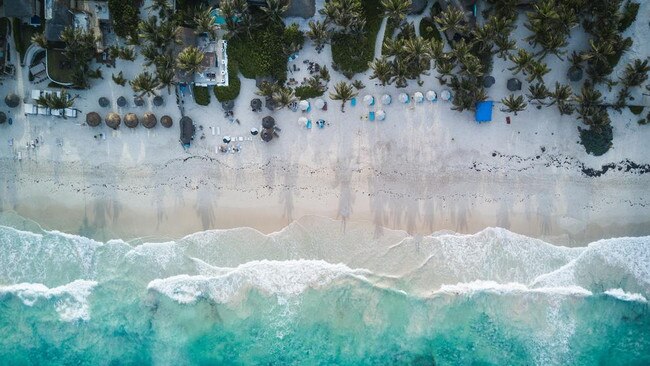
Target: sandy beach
{"x":425,"y":168}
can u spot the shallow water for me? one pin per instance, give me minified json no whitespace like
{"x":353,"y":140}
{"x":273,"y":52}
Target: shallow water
{"x":312,"y":294}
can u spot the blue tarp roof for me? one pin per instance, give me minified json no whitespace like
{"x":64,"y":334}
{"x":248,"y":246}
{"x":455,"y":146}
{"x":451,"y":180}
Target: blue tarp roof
{"x":484,"y":111}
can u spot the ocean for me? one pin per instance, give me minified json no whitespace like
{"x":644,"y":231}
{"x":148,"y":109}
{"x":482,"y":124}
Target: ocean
{"x":318,"y":294}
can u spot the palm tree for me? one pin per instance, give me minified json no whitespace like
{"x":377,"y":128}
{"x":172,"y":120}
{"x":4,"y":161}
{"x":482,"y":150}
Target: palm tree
{"x":358,"y":84}
{"x":444,"y":69}
{"x":40,"y":40}
{"x":165,"y":77}
{"x":396,"y":9}
{"x":282,"y":97}
{"x":536,"y":71}
{"x":503,"y":46}
{"x":205,"y":22}
{"x":538,"y":93}
{"x":513,"y":104}
{"x":319,"y":33}
{"x":274,"y":9}
{"x":190,"y":60}
{"x":635,"y":73}
{"x":451,"y":19}
{"x":126,"y":53}
{"x":266,"y":89}
{"x":347,"y":14}
{"x":522,"y":60}
{"x":145,"y":84}
{"x":57,"y":102}
{"x":471,"y":66}
{"x":163,"y":7}
{"x":381,"y":70}
{"x":400,"y":73}
{"x":562,"y":96}
{"x":324,"y":73}
{"x":119,"y":79}
{"x":343,"y":92}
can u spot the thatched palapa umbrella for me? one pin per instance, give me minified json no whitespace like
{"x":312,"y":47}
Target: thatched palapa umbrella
{"x":267,"y":135}
{"x":131,"y":120}
{"x":158,"y":101}
{"x":166,"y":121}
{"x":256,"y":104}
{"x":93,"y":119}
{"x":149,"y":120}
{"x":488,"y":81}
{"x":514,"y":84}
{"x":104,"y":102}
{"x":138,"y":101}
{"x":12,"y":100}
{"x":3,"y":117}
{"x":113,"y":120}
{"x":228,"y":105}
{"x":121,"y":102}
{"x":268,"y":122}
{"x":574,"y":74}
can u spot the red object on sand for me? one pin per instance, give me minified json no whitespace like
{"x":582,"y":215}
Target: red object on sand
{"x":508,"y":120}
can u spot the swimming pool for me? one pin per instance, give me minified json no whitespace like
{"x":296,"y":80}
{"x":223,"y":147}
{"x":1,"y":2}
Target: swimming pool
{"x":218,"y":18}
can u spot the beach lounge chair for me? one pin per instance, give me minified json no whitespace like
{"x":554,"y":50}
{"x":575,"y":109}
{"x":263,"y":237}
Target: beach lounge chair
{"x":308,"y":124}
{"x":320,"y":123}
{"x":371,"y":116}
{"x":353,"y":102}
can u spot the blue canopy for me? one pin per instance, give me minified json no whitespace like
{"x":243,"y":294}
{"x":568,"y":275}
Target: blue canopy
{"x":484,"y":111}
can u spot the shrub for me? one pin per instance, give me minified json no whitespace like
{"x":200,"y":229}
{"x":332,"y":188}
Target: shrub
{"x":352,"y":53}
{"x":230,"y":92}
{"x":616,"y":57}
{"x":636,"y":109}
{"x":629,"y":16}
{"x":293,"y":34}
{"x":261,"y":54}
{"x":306,"y":92}
{"x":391,"y":25}
{"x":429,"y":30}
{"x":596,"y":143}
{"x":125,"y":17}
{"x":642,"y":121}
{"x":201,"y":95}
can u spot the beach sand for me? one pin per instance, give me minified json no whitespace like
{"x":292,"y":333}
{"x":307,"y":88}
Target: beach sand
{"x":425,"y":168}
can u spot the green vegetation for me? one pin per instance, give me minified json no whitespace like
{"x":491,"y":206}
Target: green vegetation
{"x":352,"y":51}
{"x":23,"y":34}
{"x":636,"y":109}
{"x":429,"y":30}
{"x":596,"y":143}
{"x":391,"y":25}
{"x":230,"y":92}
{"x":4,"y":24}
{"x":58,"y":67}
{"x":630,"y":11}
{"x":125,"y":18}
{"x":201,"y":95}
{"x":265,"y":51}
{"x":308,"y":91}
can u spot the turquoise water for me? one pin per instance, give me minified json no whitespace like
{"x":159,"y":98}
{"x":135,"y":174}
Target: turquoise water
{"x":218,"y":18}
{"x":316,"y":295}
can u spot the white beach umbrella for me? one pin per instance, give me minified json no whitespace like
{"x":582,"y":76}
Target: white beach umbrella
{"x":381,"y":115}
{"x":302,"y":121}
{"x":445,"y":95}
{"x":303,"y":105}
{"x":386,"y":99}
{"x":431,"y":96}
{"x":320,"y":104}
{"x":419,"y":97}
{"x":369,"y":100}
{"x":403,"y":97}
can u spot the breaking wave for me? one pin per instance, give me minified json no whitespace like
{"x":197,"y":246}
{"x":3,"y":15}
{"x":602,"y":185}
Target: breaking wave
{"x":315,"y":294}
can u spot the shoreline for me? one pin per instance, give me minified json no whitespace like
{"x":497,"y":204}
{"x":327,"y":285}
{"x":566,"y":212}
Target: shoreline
{"x":129,"y":207}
